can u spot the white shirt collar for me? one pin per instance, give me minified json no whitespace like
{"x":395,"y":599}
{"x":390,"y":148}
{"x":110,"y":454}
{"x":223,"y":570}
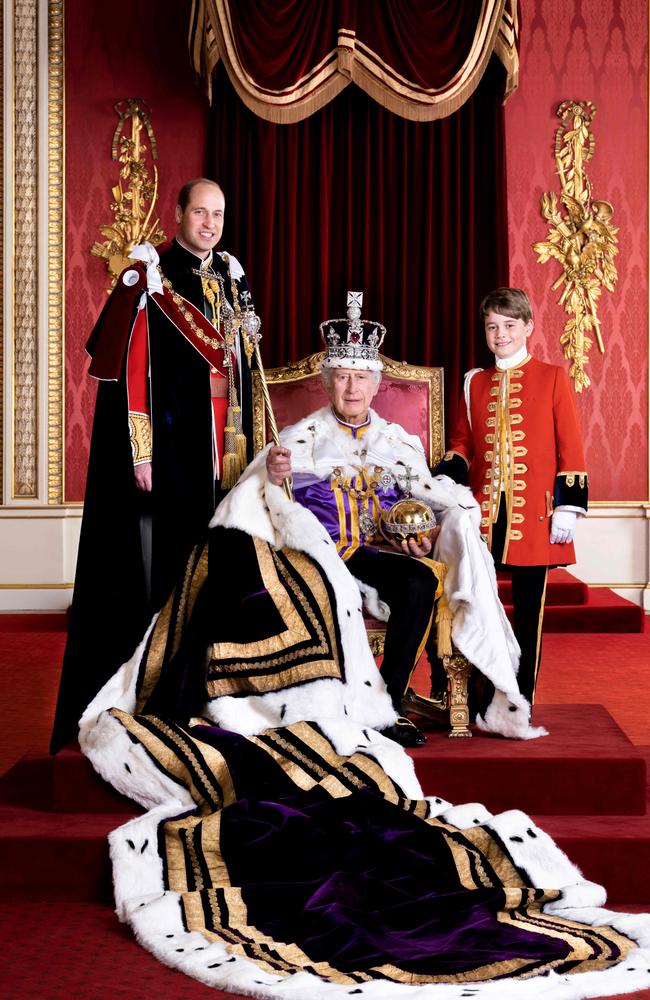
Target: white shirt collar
{"x":515,"y":359}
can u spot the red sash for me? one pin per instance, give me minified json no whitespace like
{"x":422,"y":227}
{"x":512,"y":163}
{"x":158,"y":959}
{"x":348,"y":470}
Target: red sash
{"x":212,"y":347}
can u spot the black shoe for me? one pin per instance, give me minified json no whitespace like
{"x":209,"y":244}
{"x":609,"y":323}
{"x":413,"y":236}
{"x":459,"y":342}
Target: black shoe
{"x":405,"y":733}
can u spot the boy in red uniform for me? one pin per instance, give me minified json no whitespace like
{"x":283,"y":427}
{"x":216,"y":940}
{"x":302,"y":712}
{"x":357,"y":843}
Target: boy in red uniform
{"x":517,"y":443}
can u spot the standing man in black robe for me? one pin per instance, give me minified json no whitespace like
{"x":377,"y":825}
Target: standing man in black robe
{"x":172,"y":431}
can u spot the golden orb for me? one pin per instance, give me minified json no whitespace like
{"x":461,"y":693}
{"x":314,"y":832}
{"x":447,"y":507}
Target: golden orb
{"x":408,"y":518}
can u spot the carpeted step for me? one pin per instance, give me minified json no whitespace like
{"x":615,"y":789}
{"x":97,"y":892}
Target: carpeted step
{"x":44,"y":621}
{"x":604,"y":611}
{"x":585,"y":766}
{"x":611,"y":850}
{"x":62,"y":857}
{"x":561,"y":588}
{"x":55,"y":856}
{"x":66,"y":783}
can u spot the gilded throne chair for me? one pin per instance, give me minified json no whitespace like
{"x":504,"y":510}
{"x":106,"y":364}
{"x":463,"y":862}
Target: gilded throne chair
{"x":412,"y":396}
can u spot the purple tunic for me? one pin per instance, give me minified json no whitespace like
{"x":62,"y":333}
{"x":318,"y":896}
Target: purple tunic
{"x":349,"y":507}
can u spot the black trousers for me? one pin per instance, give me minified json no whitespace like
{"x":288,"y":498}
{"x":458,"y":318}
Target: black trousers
{"x":528,"y":598}
{"x":408,"y":587}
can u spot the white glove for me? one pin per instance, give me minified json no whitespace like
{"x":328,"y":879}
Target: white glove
{"x":563,"y":526}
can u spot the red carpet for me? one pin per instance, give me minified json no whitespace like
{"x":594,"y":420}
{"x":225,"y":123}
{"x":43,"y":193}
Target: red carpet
{"x":585,"y":784}
{"x":562,"y":588}
{"x":83,"y":952}
{"x":30,"y":663}
{"x":604,"y":612}
{"x":611,"y":670}
{"x":585,"y":766}
{"x":572,"y":606}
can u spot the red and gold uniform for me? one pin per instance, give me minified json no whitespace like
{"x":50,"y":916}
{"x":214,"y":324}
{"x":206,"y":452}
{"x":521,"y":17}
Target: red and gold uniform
{"x":518,"y":442}
{"x":519,"y":434}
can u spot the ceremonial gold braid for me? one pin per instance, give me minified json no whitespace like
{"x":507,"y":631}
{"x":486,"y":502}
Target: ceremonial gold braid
{"x":178,"y":300}
{"x":212,"y":295}
{"x":237,"y":444}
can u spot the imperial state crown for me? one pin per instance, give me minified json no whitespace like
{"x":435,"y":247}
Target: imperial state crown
{"x":353,"y":342}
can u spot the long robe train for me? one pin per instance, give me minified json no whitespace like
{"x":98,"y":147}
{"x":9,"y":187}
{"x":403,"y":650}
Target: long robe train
{"x":272,"y":864}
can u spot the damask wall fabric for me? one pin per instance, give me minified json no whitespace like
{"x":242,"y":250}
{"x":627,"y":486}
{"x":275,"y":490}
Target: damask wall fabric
{"x":582,"y":49}
{"x":589,"y":50}
{"x":109,"y":58}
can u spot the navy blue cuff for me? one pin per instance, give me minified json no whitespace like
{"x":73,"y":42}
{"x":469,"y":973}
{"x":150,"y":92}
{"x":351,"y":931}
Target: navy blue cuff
{"x":454,"y":466}
{"x":571,"y":490}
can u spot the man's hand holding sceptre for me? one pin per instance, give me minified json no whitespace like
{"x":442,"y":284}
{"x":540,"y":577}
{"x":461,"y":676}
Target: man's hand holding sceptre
{"x":278,"y":464}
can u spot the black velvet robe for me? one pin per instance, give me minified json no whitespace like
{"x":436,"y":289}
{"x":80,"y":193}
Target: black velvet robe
{"x":111,"y":606}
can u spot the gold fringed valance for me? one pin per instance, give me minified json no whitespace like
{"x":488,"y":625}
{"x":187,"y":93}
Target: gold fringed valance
{"x":368,"y":45}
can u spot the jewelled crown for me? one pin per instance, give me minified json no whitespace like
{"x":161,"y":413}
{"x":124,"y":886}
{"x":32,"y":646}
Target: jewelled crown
{"x":353,"y":342}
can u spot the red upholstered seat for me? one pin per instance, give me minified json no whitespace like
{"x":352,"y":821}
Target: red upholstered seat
{"x":409,"y":394}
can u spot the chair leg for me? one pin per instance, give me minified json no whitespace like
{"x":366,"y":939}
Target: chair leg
{"x":458,"y":668}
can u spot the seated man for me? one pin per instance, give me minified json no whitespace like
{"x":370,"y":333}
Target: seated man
{"x":348,"y":464}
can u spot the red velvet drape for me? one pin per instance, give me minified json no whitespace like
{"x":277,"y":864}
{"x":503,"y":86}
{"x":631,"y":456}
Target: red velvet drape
{"x":423,"y":42}
{"x":412,"y":214}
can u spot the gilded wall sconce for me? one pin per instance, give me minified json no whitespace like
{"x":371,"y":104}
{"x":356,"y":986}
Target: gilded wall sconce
{"x":581,"y":238}
{"x":136,"y":192}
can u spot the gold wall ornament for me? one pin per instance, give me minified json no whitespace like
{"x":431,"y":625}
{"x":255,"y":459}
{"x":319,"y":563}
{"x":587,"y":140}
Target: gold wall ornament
{"x":581,"y":238}
{"x":136,"y":193}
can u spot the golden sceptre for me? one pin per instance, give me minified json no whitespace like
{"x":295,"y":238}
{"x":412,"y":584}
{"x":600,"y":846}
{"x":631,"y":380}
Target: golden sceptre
{"x":251,"y":323}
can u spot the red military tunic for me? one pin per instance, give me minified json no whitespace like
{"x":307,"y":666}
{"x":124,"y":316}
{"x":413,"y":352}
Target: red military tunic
{"x":518,"y":431}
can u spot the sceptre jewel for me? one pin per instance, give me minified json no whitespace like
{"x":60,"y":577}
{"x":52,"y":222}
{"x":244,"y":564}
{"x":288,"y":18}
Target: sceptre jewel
{"x":250,"y":327}
{"x":250,"y":324}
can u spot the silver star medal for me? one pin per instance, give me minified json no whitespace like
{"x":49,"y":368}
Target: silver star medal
{"x":385,"y":480}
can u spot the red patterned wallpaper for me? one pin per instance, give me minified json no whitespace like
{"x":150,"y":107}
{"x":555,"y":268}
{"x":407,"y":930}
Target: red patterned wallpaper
{"x":582,"y":49}
{"x":110,"y":56}
{"x":590,"y":50}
